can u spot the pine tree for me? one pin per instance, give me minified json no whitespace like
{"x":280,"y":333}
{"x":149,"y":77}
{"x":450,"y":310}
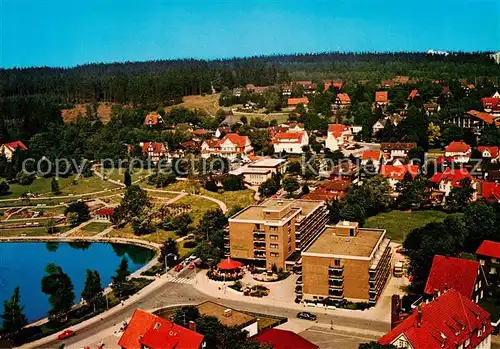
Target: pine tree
{"x":127,"y":179}
{"x":55,"y":186}
{"x":92,"y":291}
{"x":120,"y":284}
{"x":59,"y":287}
{"x":13,"y":317}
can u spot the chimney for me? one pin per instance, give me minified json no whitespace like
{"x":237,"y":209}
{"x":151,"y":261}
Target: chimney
{"x":419,"y":316}
{"x":192,"y":326}
{"x":395,"y":310}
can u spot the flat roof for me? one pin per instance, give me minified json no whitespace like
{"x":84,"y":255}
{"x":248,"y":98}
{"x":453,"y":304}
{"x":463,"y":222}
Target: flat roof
{"x":256,"y":212}
{"x":361,"y":245}
{"x":237,"y":318}
{"x":267,"y":163}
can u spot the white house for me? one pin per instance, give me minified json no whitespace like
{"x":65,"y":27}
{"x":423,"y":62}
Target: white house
{"x":338,"y":135}
{"x":230,"y":146}
{"x":489,"y":152}
{"x":397,"y":150}
{"x":290,"y":142}
{"x":459,"y":151}
{"x":451,"y":178}
{"x":378,"y":126}
{"x":8,"y":149}
{"x":259,"y":171}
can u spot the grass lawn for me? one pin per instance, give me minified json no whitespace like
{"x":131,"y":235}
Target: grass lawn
{"x":184,"y":251}
{"x":208,"y":103}
{"x":91,"y":229}
{"x":399,"y":223}
{"x":198,"y":206}
{"x":159,"y":236}
{"x":42,"y":186}
{"x":232,"y":199}
{"x":38,"y":231}
{"x":117,"y":174}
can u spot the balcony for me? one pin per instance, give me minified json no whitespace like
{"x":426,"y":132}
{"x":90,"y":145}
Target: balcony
{"x":259,"y":247}
{"x":299,"y":281}
{"x":336,"y":278}
{"x":336,"y":294}
{"x":260,"y":256}
{"x":339,"y":287}
{"x":298,"y":290}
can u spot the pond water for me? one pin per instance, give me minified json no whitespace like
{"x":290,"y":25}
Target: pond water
{"x":23,"y":264}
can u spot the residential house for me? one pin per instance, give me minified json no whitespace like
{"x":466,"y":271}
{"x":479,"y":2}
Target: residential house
{"x":387,"y":83}
{"x":250,"y":88}
{"x":413,"y":94}
{"x":489,"y":152}
{"x":154,"y":150}
{"x":260,"y":89}
{"x":355,"y":129}
{"x":230,"y":120}
{"x":452,"y":178}
{"x":460,"y":152}
{"x":475,"y":120}
{"x":286,"y":90}
{"x":328,"y":190}
{"x":290,"y":142}
{"x":346,"y":262}
{"x":381,"y":98}
{"x":343,"y":100}
{"x":464,"y":275}
{"x":373,"y":156}
{"x":378,"y":126}
{"x":269,"y":233}
{"x":488,"y":255}
{"x":431,"y":108}
{"x":446,"y":92}
{"x":397,"y":150}
{"x":336,"y":84}
{"x":396,"y":173}
{"x":259,"y":171}
{"x":104,"y":214}
{"x":229,"y":317}
{"x":401,"y":79}
{"x":308,"y":86}
{"x":346,"y":170}
{"x":146,"y":330}
{"x":221,"y":131}
{"x":338,"y":136}
{"x":292,"y":126}
{"x":294,"y":102}
{"x":231,"y":146}
{"x":153,"y":119}
{"x":491,"y":105}
{"x":450,"y":321}
{"x":490,"y":191}
{"x":282,"y":339}
{"x":8,"y":149}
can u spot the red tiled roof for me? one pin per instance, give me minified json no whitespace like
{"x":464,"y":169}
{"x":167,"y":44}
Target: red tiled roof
{"x":371,"y":154}
{"x":344,"y":98}
{"x":446,"y":322}
{"x":493,"y":150}
{"x":12,"y":146}
{"x":446,"y":90}
{"x":489,"y":249}
{"x":457,"y":273}
{"x":413,"y":94}
{"x":490,"y":191}
{"x":490,"y":102}
{"x":288,"y":137}
{"x":338,"y":129}
{"x":152,"y":119}
{"x":457,"y":147}
{"x":389,"y":83}
{"x":297,"y":101}
{"x":453,"y":175}
{"x":402,"y":79}
{"x":153,"y":147}
{"x":157,"y":333}
{"x":381,"y":96}
{"x":105,"y":211}
{"x":398,"y":172}
{"x":235,"y":138}
{"x":328,"y":190}
{"x":306,"y":84}
{"x":200,"y":132}
{"x":485,"y":117}
{"x":282,"y":339}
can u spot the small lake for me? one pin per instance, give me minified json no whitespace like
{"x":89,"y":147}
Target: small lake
{"x":23,"y":264}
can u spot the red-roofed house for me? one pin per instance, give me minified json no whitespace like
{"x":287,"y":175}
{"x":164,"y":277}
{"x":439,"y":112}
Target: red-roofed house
{"x":476,"y":120}
{"x":489,"y":152}
{"x":329,"y":190}
{"x":282,"y":339}
{"x":154,"y":150}
{"x":337,"y":84}
{"x":464,"y":275}
{"x":381,"y":98}
{"x":451,"y":321}
{"x":375,"y":156}
{"x":230,"y":146}
{"x":459,"y":151}
{"x":8,"y":149}
{"x":338,"y":135}
{"x":308,"y":86}
{"x":490,"y":191}
{"x":401,"y":79}
{"x":413,"y":94}
{"x":491,"y":104}
{"x":290,"y":142}
{"x":153,"y":119}
{"x":294,"y":102}
{"x":395,"y":174}
{"x":451,"y":178}
{"x":146,"y":330}
{"x":342,"y":100}
{"x":104,"y":214}
{"x":387,"y":83}
{"x":488,"y":255}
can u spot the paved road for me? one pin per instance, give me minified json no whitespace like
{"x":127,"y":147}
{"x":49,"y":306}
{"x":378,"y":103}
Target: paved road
{"x":174,"y":293}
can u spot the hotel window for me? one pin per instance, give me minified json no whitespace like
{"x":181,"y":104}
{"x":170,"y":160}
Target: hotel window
{"x":479,"y":333}
{"x":273,"y":237}
{"x":274,"y":254}
{"x":274,"y":245}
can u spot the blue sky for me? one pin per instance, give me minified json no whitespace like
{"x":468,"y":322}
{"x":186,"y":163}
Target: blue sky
{"x":71,"y":32}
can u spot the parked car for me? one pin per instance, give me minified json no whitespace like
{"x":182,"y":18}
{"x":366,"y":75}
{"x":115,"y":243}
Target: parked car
{"x":179,"y":267}
{"x":191,"y":266}
{"x":402,"y":250}
{"x":306,"y":316}
{"x":66,"y":334}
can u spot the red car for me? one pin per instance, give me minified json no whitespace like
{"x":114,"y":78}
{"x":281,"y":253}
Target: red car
{"x":191,"y":266}
{"x":178,"y":267}
{"x":66,"y":334}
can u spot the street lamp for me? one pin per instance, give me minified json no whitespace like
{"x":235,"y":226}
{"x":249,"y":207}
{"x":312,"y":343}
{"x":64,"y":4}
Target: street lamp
{"x":166,"y":256}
